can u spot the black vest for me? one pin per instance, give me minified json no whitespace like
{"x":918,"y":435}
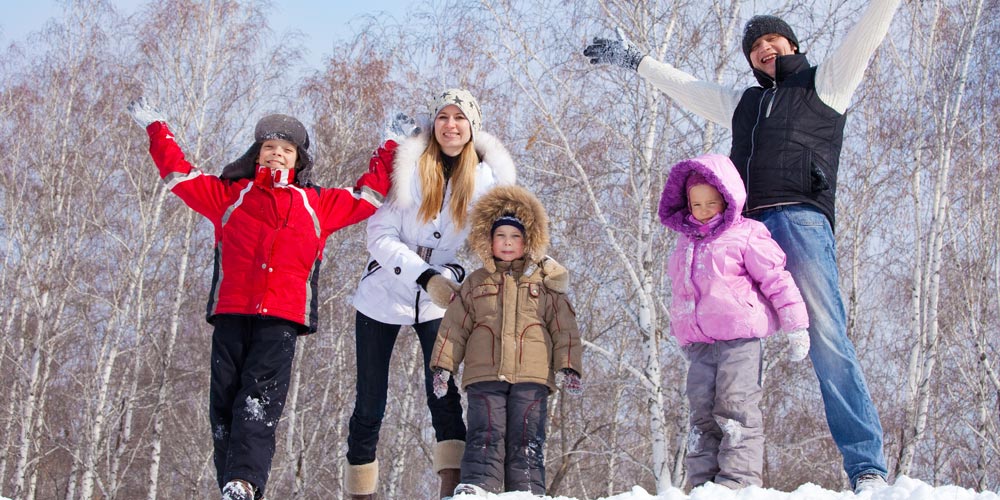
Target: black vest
{"x":786,"y":141}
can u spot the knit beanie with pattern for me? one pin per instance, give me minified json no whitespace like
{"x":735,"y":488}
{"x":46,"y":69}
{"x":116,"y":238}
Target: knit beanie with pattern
{"x":465,"y":102}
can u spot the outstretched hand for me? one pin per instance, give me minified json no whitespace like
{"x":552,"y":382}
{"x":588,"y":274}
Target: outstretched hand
{"x":400,"y":127}
{"x":144,"y":113}
{"x":620,"y":51}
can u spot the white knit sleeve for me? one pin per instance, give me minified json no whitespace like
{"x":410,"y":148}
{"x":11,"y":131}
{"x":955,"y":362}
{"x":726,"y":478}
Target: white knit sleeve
{"x":706,"y":99}
{"x":839,"y":76}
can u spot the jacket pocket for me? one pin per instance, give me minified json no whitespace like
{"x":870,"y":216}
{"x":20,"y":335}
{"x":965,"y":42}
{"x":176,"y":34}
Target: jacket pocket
{"x":372,"y":267}
{"x":818,"y":180}
{"x":486,"y":301}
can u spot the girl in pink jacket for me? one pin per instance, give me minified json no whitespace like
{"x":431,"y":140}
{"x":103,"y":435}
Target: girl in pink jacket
{"x":730,"y":289}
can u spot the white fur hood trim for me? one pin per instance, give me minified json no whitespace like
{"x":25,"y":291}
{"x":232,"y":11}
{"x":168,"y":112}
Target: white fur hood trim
{"x":404,"y":167}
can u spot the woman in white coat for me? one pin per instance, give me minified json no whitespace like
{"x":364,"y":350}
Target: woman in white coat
{"x":412,"y":273}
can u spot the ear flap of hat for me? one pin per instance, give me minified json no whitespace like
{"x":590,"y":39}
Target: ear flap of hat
{"x":243,"y":167}
{"x":303,"y":168}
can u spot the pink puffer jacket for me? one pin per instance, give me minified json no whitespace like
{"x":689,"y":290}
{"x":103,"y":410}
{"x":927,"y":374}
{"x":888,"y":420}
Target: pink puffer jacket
{"x":729,"y":278}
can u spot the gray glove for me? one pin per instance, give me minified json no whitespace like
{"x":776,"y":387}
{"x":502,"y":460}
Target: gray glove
{"x":620,"y":52}
{"x":442,"y":290}
{"x":570,"y":381}
{"x":144,"y":113}
{"x":798,"y":345}
{"x":400,"y":127}
{"x":440,"y":382}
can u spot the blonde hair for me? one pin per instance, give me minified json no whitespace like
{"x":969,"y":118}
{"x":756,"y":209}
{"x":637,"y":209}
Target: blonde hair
{"x":432,"y":185}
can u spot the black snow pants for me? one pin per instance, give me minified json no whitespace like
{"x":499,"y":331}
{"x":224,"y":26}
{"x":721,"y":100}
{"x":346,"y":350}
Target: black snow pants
{"x":506,"y":437}
{"x":251,"y":369}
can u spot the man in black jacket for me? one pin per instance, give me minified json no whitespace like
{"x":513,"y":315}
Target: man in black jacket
{"x":787,"y":137}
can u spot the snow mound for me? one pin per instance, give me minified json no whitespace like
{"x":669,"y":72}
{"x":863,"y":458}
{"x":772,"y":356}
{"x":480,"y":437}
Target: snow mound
{"x":904,"y":488}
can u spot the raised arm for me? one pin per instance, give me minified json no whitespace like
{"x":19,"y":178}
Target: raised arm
{"x":204,"y":193}
{"x":839,"y":76}
{"x":706,"y":99}
{"x":342,"y":207}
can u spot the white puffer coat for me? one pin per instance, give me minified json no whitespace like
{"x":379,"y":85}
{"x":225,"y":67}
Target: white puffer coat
{"x":388,"y":291}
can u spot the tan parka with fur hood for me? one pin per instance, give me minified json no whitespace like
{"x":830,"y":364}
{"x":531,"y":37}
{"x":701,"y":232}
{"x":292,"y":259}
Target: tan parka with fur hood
{"x":511,"y":321}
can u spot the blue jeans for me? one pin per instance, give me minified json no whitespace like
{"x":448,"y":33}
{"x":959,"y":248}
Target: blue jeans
{"x":374,"y":342}
{"x":807,"y":239}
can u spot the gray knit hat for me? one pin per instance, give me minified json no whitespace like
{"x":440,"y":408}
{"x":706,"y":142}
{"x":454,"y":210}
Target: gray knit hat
{"x":759,"y":26}
{"x":465,"y":102}
{"x":275,"y":126}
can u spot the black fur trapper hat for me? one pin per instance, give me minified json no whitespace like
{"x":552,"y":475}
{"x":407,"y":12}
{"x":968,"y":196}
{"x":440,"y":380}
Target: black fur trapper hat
{"x":275,"y":126}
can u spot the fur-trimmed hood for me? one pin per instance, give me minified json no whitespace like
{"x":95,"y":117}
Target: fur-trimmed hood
{"x":719,"y":171}
{"x":525,"y":206}
{"x":405,"y":177}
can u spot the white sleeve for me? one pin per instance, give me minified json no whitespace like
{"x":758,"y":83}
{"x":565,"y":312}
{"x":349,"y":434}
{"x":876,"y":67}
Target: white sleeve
{"x":386,"y":246}
{"x":839,"y":76}
{"x":706,"y":99}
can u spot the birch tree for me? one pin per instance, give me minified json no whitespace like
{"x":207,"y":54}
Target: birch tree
{"x":938,"y":129}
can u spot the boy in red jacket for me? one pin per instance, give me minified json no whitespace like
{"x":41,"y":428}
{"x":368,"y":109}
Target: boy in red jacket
{"x":271,"y":224}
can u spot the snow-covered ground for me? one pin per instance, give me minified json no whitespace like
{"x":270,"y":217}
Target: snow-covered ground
{"x":904,"y":488}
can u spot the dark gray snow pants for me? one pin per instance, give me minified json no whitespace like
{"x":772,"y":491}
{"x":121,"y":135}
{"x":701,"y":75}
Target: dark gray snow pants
{"x":506,"y":436}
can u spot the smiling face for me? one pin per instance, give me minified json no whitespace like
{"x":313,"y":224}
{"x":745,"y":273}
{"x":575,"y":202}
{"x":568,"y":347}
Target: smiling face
{"x":768,"y":48}
{"x":277,"y":153}
{"x":705,"y":202}
{"x":508,"y":243}
{"x":452,"y":130}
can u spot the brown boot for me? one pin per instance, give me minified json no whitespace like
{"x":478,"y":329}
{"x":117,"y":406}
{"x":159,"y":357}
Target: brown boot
{"x":362,"y":481}
{"x":449,"y":480}
{"x":447,"y":463}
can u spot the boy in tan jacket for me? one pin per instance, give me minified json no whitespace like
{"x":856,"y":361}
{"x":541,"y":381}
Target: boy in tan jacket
{"x":514,"y":328}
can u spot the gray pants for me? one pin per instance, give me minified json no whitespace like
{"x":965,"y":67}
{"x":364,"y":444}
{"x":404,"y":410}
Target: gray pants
{"x":506,"y":437}
{"x":726,"y":443}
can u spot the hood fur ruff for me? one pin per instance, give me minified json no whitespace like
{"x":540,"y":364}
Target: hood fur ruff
{"x":509,"y":199}
{"x":404,"y":172}
{"x":718,"y":171}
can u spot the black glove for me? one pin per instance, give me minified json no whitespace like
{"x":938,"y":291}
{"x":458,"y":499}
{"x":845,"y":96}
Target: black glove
{"x":144,"y":113}
{"x":619,"y":52}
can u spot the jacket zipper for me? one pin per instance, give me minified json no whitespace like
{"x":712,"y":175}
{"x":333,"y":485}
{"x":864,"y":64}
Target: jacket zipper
{"x":753,"y":140}
{"x":774,"y":97}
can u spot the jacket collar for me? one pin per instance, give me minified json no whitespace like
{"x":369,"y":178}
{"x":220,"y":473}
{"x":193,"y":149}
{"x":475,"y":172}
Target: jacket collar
{"x":404,"y":166}
{"x":273,"y":177}
{"x":784,"y":67}
{"x":515,"y":267}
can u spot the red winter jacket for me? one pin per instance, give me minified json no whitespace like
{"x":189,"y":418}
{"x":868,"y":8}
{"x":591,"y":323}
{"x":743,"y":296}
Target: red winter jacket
{"x":269,"y":238}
